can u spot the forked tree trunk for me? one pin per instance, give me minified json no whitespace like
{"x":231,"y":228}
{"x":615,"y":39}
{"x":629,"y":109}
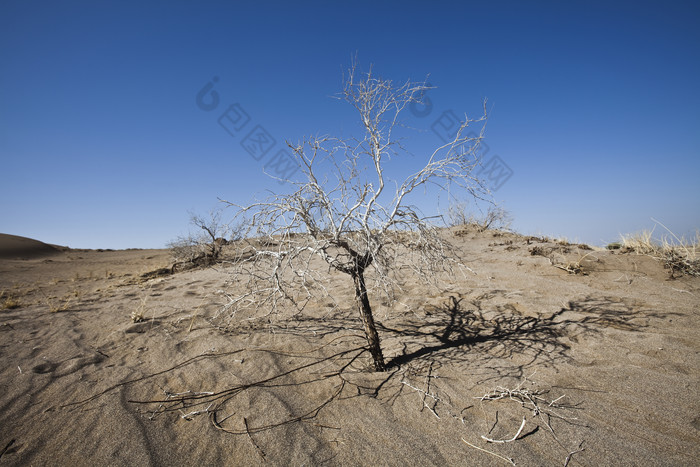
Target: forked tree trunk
{"x":363,"y":305}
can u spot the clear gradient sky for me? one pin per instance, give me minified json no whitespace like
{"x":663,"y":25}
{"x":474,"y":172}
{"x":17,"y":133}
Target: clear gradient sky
{"x":594,"y":106}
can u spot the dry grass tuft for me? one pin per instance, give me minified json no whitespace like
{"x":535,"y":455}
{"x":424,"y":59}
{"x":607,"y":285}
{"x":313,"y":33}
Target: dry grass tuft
{"x":64,"y":303}
{"x":9,"y":300}
{"x":562,"y":241}
{"x":640,"y":242}
{"x":677,"y":254}
{"x":138,"y":315}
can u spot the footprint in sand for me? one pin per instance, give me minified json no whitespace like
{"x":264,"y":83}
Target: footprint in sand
{"x":140,"y":328}
{"x":44,"y":368}
{"x":79,"y":363}
{"x":66,"y":368}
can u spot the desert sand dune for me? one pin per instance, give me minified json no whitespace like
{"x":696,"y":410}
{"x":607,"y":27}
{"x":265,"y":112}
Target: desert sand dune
{"x":15,"y":247}
{"x":603,"y":366}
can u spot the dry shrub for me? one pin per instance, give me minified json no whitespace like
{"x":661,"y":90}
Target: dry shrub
{"x":495,"y":217}
{"x":206,"y":246}
{"x":540,"y":251}
{"x":682,"y":258}
{"x":188,"y":249}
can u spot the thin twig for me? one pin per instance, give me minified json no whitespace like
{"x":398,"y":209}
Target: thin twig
{"x":257,"y":448}
{"x":188,"y":416}
{"x":507,"y":440}
{"x":136,"y":380}
{"x":224,"y":419}
{"x":568,"y":458}
{"x":425,"y":404}
{"x":427,"y":385}
{"x":7,"y":447}
{"x":187,"y":393}
{"x":555,"y":400}
{"x":494,"y":424}
{"x":507,"y":459}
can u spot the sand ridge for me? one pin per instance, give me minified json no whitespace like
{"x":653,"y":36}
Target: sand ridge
{"x":16,"y":247}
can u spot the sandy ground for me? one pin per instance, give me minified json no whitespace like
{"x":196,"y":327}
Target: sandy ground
{"x":602,"y":368}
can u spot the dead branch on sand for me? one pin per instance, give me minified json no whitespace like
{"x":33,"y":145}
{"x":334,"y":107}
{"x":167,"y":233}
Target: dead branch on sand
{"x":501,"y":441}
{"x":541,"y":407}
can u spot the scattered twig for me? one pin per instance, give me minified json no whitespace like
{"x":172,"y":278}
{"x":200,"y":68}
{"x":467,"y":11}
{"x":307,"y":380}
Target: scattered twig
{"x":427,"y":386}
{"x":7,"y":447}
{"x":169,"y":405}
{"x":215,"y":423}
{"x":252,"y":441}
{"x":527,"y":398}
{"x":494,"y":424}
{"x":682,"y":291}
{"x":136,"y":380}
{"x":557,"y":399}
{"x":187,"y":393}
{"x":188,"y":416}
{"x":507,"y":459}
{"x":435,"y":398}
{"x":568,"y":458}
{"x":522,"y":425}
{"x":327,"y":426}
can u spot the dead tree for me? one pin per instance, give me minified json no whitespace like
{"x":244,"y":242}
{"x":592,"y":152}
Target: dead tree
{"x":213,"y":232}
{"x":346,"y":211}
{"x":202,"y":248}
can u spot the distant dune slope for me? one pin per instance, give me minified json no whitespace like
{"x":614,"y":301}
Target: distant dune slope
{"x":14,"y":247}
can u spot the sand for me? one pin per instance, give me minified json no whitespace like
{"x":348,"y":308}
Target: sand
{"x":610,"y":358}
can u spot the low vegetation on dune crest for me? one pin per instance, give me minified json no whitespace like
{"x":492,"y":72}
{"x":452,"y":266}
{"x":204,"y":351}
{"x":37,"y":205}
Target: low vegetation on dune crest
{"x":678,"y":255}
{"x":495,"y":217}
{"x":204,"y":247}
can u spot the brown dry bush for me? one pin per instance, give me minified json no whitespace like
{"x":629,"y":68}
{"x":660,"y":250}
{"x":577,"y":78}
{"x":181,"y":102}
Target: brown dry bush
{"x":9,"y":300}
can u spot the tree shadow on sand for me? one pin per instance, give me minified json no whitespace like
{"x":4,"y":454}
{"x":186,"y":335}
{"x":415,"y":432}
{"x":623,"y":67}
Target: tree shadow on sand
{"x":477,"y":332}
{"x":469,"y":331}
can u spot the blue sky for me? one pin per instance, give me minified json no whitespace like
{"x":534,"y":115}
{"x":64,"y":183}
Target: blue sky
{"x":594,"y":106}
